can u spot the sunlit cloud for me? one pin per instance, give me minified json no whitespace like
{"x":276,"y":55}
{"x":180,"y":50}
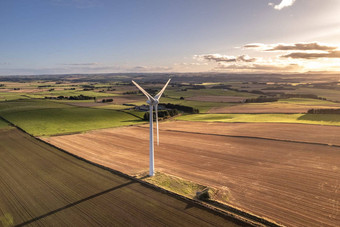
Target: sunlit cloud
{"x":254,"y":45}
{"x":292,"y":57}
{"x":244,"y":63}
{"x":149,"y":69}
{"x":263,"y":67}
{"x":283,"y":4}
{"x":305,"y":55}
{"x":303,"y":46}
{"x":311,"y":46}
{"x":77,"y":64}
{"x":225,"y":58}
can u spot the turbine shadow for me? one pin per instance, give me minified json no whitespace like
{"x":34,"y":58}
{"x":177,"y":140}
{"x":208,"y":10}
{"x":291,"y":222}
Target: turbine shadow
{"x":75,"y":203}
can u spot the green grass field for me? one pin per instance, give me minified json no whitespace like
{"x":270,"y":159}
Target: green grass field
{"x":302,"y":101}
{"x":11,"y":96}
{"x":55,"y":93}
{"x":44,"y":118}
{"x":3,"y":124}
{"x":322,"y":119}
{"x":113,"y":107}
{"x":205,"y":92}
{"x":202,"y":106}
{"x":24,"y":105}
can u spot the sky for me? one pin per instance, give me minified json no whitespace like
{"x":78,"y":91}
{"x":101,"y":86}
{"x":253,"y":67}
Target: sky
{"x":109,"y":36}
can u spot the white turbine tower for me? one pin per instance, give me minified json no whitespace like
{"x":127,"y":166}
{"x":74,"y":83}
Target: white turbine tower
{"x":153,"y":102}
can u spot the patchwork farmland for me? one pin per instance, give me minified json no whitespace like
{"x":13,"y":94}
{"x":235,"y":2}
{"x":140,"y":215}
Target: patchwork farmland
{"x":285,"y":177}
{"x":42,"y":186}
{"x":253,"y":141}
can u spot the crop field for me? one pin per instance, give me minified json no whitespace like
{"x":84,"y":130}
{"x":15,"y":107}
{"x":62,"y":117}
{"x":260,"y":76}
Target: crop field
{"x":206,"y":92}
{"x":231,"y":99}
{"x":42,"y":186}
{"x":293,"y":105}
{"x":27,"y":105}
{"x":329,"y":94}
{"x":275,"y":160}
{"x":295,"y":183}
{"x":43,"y":118}
{"x":203,"y":106}
{"x":3,"y":124}
{"x":318,"y":119}
{"x":11,"y":96}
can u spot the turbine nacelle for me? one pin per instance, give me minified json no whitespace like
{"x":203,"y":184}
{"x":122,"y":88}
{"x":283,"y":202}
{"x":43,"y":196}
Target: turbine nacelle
{"x":152,"y":102}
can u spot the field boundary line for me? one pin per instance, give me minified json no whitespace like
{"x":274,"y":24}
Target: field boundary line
{"x":237,"y":215}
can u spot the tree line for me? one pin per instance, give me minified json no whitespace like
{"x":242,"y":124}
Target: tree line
{"x":172,"y":110}
{"x":323,"y":111}
{"x":79,"y":97}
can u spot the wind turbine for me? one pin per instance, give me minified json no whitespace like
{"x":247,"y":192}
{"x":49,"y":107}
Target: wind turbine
{"x":153,"y":102}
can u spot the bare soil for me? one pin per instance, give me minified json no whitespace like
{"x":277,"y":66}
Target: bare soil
{"x":296,"y":184}
{"x":329,"y":135}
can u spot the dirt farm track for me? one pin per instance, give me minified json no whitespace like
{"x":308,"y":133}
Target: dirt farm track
{"x":292,"y":183}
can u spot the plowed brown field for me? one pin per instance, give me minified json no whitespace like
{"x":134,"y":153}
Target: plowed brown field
{"x":296,"y":184}
{"x":42,"y":186}
{"x":281,"y":131}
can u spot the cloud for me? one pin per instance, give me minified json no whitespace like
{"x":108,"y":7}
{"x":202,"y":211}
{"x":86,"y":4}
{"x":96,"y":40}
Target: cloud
{"x":291,"y":46}
{"x":80,"y":64}
{"x":149,"y":69}
{"x":262,"y":67}
{"x":224,"y":58}
{"x":254,"y":45}
{"x":245,"y":63}
{"x":294,"y":57}
{"x":302,"y":46}
{"x":77,"y":3}
{"x":306,"y":55}
{"x":283,"y":4}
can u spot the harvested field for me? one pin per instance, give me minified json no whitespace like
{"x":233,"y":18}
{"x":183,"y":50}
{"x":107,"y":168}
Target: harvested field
{"x":258,"y":108}
{"x":315,"y":119}
{"x":275,"y":107}
{"x":295,"y":184}
{"x":279,"y":131}
{"x":217,"y":98}
{"x":43,"y":186}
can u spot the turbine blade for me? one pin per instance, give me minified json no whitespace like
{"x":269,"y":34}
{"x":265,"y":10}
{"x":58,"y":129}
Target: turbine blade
{"x":158,"y":96}
{"x":142,"y":90}
{"x":156,"y":109}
